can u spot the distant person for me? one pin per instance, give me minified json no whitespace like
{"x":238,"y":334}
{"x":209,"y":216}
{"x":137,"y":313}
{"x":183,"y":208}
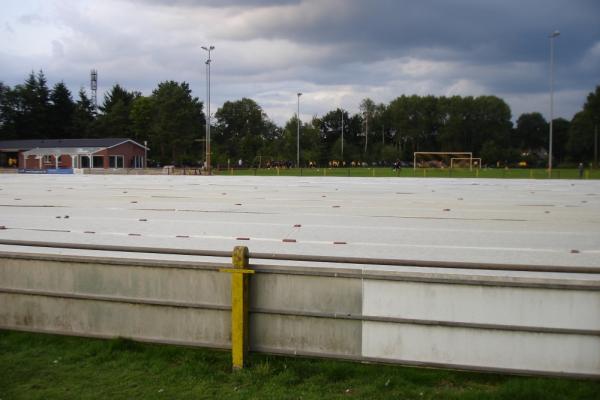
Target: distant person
{"x":240,"y":163}
{"x":580,"y":170}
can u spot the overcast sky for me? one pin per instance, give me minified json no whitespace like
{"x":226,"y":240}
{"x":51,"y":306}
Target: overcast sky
{"x":336,"y":52}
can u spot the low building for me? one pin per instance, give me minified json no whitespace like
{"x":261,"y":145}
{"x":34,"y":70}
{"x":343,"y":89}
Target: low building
{"x":72,"y":153}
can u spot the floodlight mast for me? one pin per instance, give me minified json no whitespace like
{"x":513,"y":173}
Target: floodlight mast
{"x":94,"y":89}
{"x":208,"y":117}
{"x":298,"y":133}
{"x":342,"y":135}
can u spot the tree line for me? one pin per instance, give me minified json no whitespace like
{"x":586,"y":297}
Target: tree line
{"x":173,"y":123}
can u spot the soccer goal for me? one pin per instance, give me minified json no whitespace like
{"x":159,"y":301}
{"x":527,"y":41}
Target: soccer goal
{"x":440,"y":159}
{"x":463,"y":162}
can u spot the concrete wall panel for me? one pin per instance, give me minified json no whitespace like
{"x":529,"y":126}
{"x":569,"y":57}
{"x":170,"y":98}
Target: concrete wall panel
{"x":90,"y":317}
{"x":303,"y":335}
{"x":174,"y":284}
{"x":306,"y":293}
{"x":483,"y":304}
{"x":293,"y":313}
{"x":482,"y":348}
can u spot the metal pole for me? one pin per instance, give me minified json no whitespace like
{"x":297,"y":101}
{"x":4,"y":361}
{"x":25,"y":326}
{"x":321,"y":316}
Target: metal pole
{"x":298,"y":134}
{"x":208,"y":118}
{"x":207,"y":121}
{"x":552,"y":36}
{"x":342,"y":136}
{"x":366,"y":131}
{"x":145,"y":154}
{"x":208,"y":163}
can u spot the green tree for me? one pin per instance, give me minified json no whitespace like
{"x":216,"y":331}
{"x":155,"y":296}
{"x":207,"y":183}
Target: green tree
{"x":531,"y":132}
{"x":115,"y":120}
{"x":560,"y":140}
{"x":178,"y":122}
{"x":367,"y":108}
{"x":583,"y":128}
{"x":241,"y":132}
{"x":61,"y":111}
{"x":83,"y":116}
{"x":142,"y":117}
{"x":9,"y":108}
{"x":32,"y":104}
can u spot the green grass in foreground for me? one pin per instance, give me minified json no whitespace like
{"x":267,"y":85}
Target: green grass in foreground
{"x":381,"y":172}
{"x":36,"y":366}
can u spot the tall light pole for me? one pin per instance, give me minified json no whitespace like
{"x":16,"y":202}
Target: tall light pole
{"x":342,"y":135}
{"x":554,"y":35}
{"x":298,"y":134}
{"x":208,"y":49}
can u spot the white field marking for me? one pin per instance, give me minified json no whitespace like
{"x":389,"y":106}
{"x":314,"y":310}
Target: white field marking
{"x":325,"y":242}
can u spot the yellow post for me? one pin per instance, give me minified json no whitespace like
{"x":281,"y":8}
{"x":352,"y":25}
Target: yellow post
{"x":239,"y":305}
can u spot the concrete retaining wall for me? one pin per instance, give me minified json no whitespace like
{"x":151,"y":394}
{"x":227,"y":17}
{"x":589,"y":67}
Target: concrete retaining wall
{"x":548,"y":326}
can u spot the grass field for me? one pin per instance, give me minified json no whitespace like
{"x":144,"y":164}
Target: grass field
{"x":36,"y":366}
{"x":515,"y":173}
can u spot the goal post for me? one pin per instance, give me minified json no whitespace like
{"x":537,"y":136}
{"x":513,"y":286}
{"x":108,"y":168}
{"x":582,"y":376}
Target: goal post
{"x":475,"y":160}
{"x":458,"y":154}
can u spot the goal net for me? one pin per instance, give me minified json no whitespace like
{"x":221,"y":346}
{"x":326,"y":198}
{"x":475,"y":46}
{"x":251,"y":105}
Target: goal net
{"x":465,"y":162}
{"x":441,"y":159}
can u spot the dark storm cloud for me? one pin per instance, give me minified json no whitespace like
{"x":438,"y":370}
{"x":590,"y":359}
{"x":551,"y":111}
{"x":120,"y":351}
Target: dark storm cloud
{"x":507,"y":36}
{"x":219,"y":3}
{"x":338,"y":50}
{"x":483,"y":31}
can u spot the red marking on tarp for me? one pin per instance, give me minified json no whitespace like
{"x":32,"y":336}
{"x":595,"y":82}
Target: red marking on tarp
{"x":142,"y":220}
{"x":134,"y":201}
{"x":238,"y":204}
{"x":2,"y":227}
{"x":297,"y":226}
{"x":89,"y":232}
{"x":336,"y":206}
{"x":182,"y":236}
{"x":574,"y":251}
{"x":242,"y":238}
{"x":339,"y":243}
{"x":135,"y":234}
{"x":446,"y":209}
{"x":289,"y":240}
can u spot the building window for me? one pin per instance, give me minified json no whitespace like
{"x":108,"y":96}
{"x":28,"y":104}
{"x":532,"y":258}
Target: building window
{"x":98,"y":162}
{"x":115,"y":161}
{"x":47,"y":159}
